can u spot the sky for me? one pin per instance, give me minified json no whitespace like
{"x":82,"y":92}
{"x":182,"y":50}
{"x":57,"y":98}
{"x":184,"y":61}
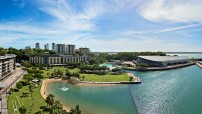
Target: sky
{"x":103,"y":25}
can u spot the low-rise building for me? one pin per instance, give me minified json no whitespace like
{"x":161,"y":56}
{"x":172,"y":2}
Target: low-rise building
{"x":7,"y":65}
{"x":162,"y":61}
{"x":57,"y":59}
{"x":84,"y":51}
{"x":28,"y":47}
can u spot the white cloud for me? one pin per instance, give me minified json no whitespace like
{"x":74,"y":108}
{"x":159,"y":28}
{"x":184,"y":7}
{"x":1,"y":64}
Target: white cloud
{"x":186,"y":11}
{"x":177,"y":28}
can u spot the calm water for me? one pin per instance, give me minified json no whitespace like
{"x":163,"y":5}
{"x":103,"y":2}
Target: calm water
{"x":190,"y":54}
{"x":96,"y":100}
{"x":176,"y":91}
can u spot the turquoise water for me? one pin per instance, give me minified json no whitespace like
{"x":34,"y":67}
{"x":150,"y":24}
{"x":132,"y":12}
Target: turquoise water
{"x":95,"y":100}
{"x":176,"y":91}
{"x":108,"y":65}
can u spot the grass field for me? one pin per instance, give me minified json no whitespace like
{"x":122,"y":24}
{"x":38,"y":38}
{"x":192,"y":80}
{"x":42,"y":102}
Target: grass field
{"x":59,"y":68}
{"x":92,"y":77}
{"x":32,"y":104}
{"x":105,"y":78}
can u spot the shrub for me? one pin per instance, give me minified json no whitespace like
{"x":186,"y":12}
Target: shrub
{"x":19,"y":85}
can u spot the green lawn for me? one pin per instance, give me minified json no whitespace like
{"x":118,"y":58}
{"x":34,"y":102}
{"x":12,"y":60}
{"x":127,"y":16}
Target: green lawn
{"x":92,"y":77}
{"x":59,"y":68}
{"x":15,"y":100}
{"x":105,"y":78}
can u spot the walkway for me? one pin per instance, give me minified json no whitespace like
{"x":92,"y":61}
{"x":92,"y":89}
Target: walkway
{"x":136,"y":78}
{"x":10,"y":81}
{"x":199,"y":64}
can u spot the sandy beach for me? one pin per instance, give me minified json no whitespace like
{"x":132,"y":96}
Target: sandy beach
{"x":44,"y":90}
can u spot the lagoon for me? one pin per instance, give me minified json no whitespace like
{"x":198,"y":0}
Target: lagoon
{"x":95,"y":100}
{"x":177,"y":91}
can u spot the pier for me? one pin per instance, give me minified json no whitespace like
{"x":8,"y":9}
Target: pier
{"x":136,"y":78}
{"x":198,"y":64}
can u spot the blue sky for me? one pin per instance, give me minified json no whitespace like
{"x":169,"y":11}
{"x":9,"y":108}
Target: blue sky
{"x":103,"y":25}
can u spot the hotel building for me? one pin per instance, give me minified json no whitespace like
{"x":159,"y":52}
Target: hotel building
{"x":57,"y":59}
{"x":7,"y":65}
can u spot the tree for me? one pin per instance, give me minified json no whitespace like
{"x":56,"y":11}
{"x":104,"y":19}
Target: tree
{"x":23,"y":110}
{"x":77,"y":110}
{"x":83,"y":77}
{"x":39,"y":112}
{"x":26,"y":64}
{"x":58,"y":105}
{"x":50,"y":100}
{"x":38,"y":75}
{"x":31,"y":89}
{"x":131,"y":78}
{"x":28,"y":77}
{"x":19,"y":85}
{"x":48,"y":74}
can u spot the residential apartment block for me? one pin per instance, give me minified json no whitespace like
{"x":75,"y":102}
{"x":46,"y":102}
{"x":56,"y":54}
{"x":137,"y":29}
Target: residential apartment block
{"x":7,"y":65}
{"x":57,"y":59}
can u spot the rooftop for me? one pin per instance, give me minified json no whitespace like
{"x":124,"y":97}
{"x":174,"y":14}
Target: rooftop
{"x":163,"y":58}
{"x":6,"y":56}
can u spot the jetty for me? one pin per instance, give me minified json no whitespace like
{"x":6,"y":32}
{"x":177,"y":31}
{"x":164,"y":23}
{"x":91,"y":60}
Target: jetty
{"x":136,"y":78}
{"x":198,"y":64}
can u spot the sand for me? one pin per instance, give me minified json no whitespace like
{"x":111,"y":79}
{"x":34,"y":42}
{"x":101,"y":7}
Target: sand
{"x":44,"y":90}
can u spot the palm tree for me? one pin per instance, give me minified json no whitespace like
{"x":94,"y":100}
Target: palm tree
{"x":57,"y":104}
{"x":50,"y":100}
{"x":77,"y":110}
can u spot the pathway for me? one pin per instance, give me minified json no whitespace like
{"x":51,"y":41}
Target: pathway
{"x":10,"y":81}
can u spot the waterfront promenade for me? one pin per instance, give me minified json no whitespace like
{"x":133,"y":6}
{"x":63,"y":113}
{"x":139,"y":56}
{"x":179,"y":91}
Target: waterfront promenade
{"x":10,"y":82}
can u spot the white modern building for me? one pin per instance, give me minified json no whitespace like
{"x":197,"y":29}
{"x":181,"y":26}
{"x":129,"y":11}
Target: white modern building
{"x":162,"y":61}
{"x":7,"y":65}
